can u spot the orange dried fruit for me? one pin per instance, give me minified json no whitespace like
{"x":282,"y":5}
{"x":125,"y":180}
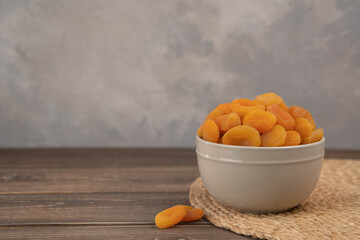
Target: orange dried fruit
{"x":303,"y":127}
{"x":274,"y":138}
{"x":270,"y":98}
{"x":297,"y":112}
{"x":225,"y":122}
{"x":314,"y":136}
{"x":171,"y":216}
{"x":211,"y":131}
{"x":246,"y":102}
{"x":225,"y":108}
{"x":283,"y":118}
{"x":242,"y":135}
{"x":260,"y":120}
{"x":292,"y":138}
{"x":213,"y":114}
{"x":284,"y":106}
{"x":243,"y":106}
{"x":200,"y":130}
{"x":192,"y":214}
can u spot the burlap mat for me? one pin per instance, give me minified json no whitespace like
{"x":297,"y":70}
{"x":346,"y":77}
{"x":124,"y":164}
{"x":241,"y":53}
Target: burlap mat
{"x":331,"y":212}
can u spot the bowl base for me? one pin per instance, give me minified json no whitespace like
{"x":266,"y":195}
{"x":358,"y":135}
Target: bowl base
{"x":265,"y":212}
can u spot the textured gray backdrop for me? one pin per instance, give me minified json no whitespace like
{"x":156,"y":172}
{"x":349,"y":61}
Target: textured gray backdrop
{"x":144,"y":73}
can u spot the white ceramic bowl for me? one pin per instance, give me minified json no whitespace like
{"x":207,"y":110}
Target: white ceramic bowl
{"x":260,"y":179}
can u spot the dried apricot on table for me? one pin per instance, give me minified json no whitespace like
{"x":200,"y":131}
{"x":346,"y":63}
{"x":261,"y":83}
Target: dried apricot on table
{"x":283,"y":118}
{"x":171,"y":216}
{"x":192,"y":214}
{"x":274,"y":138}
{"x":292,"y":138}
{"x":211,"y":131}
{"x":297,"y":112}
{"x":260,"y":120}
{"x":303,"y":127}
{"x":225,"y":122}
{"x":270,"y":98}
{"x":314,"y":136}
{"x":243,"y":136}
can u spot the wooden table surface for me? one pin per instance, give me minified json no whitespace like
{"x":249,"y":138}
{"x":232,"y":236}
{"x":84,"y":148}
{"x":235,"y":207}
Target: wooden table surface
{"x":100,"y":193}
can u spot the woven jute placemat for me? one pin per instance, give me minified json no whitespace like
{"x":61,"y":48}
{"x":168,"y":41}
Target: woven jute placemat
{"x":331,"y":212}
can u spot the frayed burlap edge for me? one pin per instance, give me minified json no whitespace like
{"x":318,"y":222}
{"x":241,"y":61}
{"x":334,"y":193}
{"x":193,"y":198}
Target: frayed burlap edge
{"x":331,"y":212}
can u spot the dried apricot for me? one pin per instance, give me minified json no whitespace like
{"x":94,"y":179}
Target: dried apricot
{"x":243,"y":110}
{"x":267,"y":121}
{"x":274,"y":138}
{"x":243,"y":136}
{"x":192,"y":214}
{"x":200,"y":130}
{"x":225,"y":122}
{"x":283,"y":118}
{"x":303,"y":127}
{"x":260,"y":120}
{"x":225,"y":108}
{"x":284,"y":106}
{"x":171,"y":216}
{"x":297,"y":112}
{"x":211,"y":131}
{"x":213,"y":114}
{"x":314,"y":136}
{"x":246,"y":102}
{"x":269,"y":98}
{"x":292,"y":138}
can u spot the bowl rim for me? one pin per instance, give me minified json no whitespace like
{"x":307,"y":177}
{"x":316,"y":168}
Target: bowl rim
{"x":303,"y":146}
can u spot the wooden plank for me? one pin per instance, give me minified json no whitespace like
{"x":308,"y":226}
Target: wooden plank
{"x":120,"y":179}
{"x":112,"y":157}
{"x":144,"y":232}
{"x":95,"y":157}
{"x":94,"y":208}
{"x":343,"y":154}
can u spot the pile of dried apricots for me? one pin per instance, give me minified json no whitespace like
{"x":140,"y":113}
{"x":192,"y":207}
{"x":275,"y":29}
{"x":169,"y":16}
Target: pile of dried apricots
{"x":265,"y":121}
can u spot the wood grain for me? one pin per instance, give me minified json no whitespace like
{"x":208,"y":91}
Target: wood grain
{"x":117,"y":179}
{"x":100,"y":193}
{"x":95,"y":158}
{"x":343,"y":154}
{"x":138,"y":232}
{"x":93,"y":208}
{"x":96,"y":170}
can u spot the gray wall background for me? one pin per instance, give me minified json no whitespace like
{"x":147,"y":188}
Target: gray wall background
{"x":145,"y":73}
